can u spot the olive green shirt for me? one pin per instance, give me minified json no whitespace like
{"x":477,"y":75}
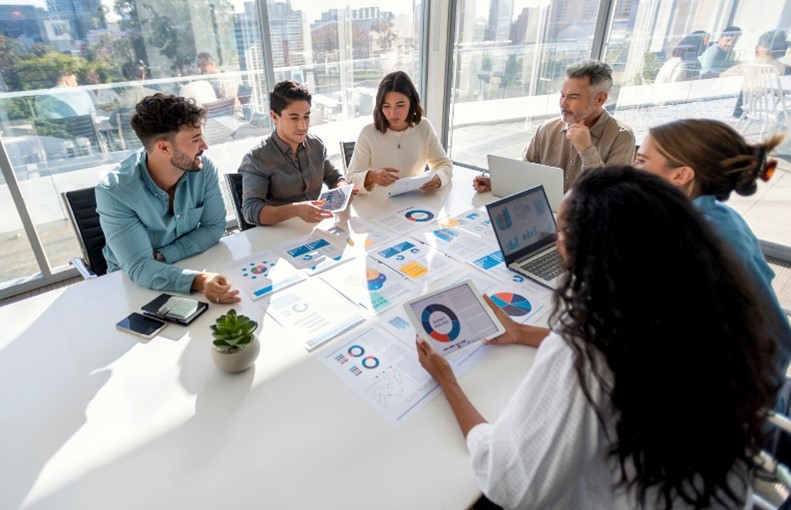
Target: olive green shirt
{"x":613,"y":144}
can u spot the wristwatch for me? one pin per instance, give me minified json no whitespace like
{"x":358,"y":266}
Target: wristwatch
{"x":158,"y":256}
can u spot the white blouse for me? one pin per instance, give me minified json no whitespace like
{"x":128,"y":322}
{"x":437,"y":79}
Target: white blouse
{"x":547,"y":449}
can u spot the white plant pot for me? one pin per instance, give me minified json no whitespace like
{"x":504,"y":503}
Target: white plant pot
{"x":237,"y":361}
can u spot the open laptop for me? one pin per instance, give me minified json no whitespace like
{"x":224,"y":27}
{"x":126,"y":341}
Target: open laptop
{"x":510,"y":176}
{"x":526,"y":232}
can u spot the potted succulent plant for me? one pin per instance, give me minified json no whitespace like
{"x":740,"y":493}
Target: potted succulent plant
{"x":235,"y":347}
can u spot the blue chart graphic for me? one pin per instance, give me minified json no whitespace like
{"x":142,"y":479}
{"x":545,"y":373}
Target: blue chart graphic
{"x":376,"y":280}
{"x":396,"y":249}
{"x":259,"y":270}
{"x":512,"y":245}
{"x":419,"y":215}
{"x":445,"y":234}
{"x":530,"y":234}
{"x":335,"y":199}
{"x":437,"y":318}
{"x":370,"y":362}
{"x":355,"y":351}
{"x":503,"y":219}
{"x":540,"y":206}
{"x":307,"y":248}
{"x":399,"y":322}
{"x":489,"y":261}
{"x":512,"y":304}
{"x":255,"y":270}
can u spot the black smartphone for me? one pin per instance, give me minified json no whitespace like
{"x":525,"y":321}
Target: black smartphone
{"x":141,"y":325}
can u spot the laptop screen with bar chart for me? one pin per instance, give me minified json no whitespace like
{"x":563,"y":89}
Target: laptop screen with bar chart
{"x":526,"y":232}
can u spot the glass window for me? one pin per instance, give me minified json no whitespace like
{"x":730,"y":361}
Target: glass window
{"x":509,"y":61}
{"x":341,"y":53}
{"x":709,"y":59}
{"x":71,"y":73}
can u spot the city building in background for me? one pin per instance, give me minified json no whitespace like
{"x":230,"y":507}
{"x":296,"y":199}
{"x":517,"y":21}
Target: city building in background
{"x":505,"y":61}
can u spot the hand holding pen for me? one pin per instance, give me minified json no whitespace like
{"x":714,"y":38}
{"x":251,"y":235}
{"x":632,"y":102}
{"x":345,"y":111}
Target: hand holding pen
{"x":481,"y":183}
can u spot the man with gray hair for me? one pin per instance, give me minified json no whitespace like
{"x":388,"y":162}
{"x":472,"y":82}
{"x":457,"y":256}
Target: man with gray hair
{"x":585,"y":136}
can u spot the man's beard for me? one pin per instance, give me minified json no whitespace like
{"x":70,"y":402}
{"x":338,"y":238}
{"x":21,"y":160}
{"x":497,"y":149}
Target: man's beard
{"x":185,"y":163}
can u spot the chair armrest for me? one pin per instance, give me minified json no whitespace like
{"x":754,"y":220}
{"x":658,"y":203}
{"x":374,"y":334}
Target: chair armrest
{"x":79,"y":265}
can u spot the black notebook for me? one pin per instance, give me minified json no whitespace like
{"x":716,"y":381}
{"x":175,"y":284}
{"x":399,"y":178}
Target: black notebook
{"x":178,"y":309}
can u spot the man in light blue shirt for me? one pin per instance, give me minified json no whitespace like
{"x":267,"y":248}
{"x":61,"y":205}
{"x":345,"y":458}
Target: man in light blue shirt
{"x":163,"y":203}
{"x":720,"y":56}
{"x":65,"y":100}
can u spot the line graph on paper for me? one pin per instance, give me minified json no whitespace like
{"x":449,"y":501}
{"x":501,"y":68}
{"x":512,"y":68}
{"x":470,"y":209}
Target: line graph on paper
{"x":387,"y":385}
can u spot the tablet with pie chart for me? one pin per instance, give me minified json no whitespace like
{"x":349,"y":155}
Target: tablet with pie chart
{"x":453,"y":317}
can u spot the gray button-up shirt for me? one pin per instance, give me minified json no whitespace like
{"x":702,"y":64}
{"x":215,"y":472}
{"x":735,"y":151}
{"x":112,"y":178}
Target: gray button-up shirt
{"x":271,"y":175}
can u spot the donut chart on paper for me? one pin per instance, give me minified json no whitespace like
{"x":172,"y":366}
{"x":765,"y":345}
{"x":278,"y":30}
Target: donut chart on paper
{"x":253,"y":270}
{"x":355,"y":351}
{"x":376,"y":280}
{"x":440,"y":323}
{"x":370,"y":362}
{"x":512,"y":304}
{"x":419,"y":215}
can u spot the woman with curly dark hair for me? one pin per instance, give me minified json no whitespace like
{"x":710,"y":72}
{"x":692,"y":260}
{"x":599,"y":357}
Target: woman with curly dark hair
{"x":649,"y":391}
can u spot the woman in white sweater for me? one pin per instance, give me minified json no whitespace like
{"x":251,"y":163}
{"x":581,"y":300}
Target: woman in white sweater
{"x":399,"y":143}
{"x":649,"y":392}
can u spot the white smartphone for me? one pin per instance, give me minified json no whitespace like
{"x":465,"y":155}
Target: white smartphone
{"x":453,"y":317}
{"x":141,"y":325}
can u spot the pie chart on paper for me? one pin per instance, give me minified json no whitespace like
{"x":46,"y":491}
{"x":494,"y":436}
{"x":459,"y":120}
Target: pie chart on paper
{"x":512,"y":304}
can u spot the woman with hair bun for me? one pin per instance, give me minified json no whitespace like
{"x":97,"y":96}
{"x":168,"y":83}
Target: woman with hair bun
{"x":708,"y":160}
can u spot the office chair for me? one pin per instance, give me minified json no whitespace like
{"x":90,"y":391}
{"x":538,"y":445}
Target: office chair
{"x":234,"y":182}
{"x":122,"y":119}
{"x":81,"y":207}
{"x":772,"y":479}
{"x":763,"y":99}
{"x":347,"y":149}
{"x":74,"y":129}
{"x":220,"y":124}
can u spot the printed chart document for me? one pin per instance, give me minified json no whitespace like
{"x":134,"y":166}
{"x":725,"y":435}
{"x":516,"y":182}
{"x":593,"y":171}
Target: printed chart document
{"x":384,"y":370}
{"x":313,"y":312}
{"x":262,"y":274}
{"x":371,"y":284}
{"x":453,"y":241}
{"x":525,"y":304}
{"x":408,"y":219}
{"x":316,"y":252}
{"x":475,"y":221}
{"x":407,"y":184}
{"x":416,"y":261}
{"x":337,"y":198}
{"x":493,"y":265}
{"x":360,"y":233}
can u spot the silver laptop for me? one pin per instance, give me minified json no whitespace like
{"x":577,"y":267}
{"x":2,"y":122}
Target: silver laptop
{"x":510,"y":176}
{"x":526,"y":232}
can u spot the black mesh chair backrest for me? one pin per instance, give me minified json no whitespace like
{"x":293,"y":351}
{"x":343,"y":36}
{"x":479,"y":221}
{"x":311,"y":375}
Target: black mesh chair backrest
{"x":220,"y":108}
{"x":347,"y":149}
{"x":71,"y":128}
{"x":234,"y":182}
{"x":81,"y":206}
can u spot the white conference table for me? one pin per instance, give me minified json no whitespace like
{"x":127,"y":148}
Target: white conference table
{"x":93,"y":418}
